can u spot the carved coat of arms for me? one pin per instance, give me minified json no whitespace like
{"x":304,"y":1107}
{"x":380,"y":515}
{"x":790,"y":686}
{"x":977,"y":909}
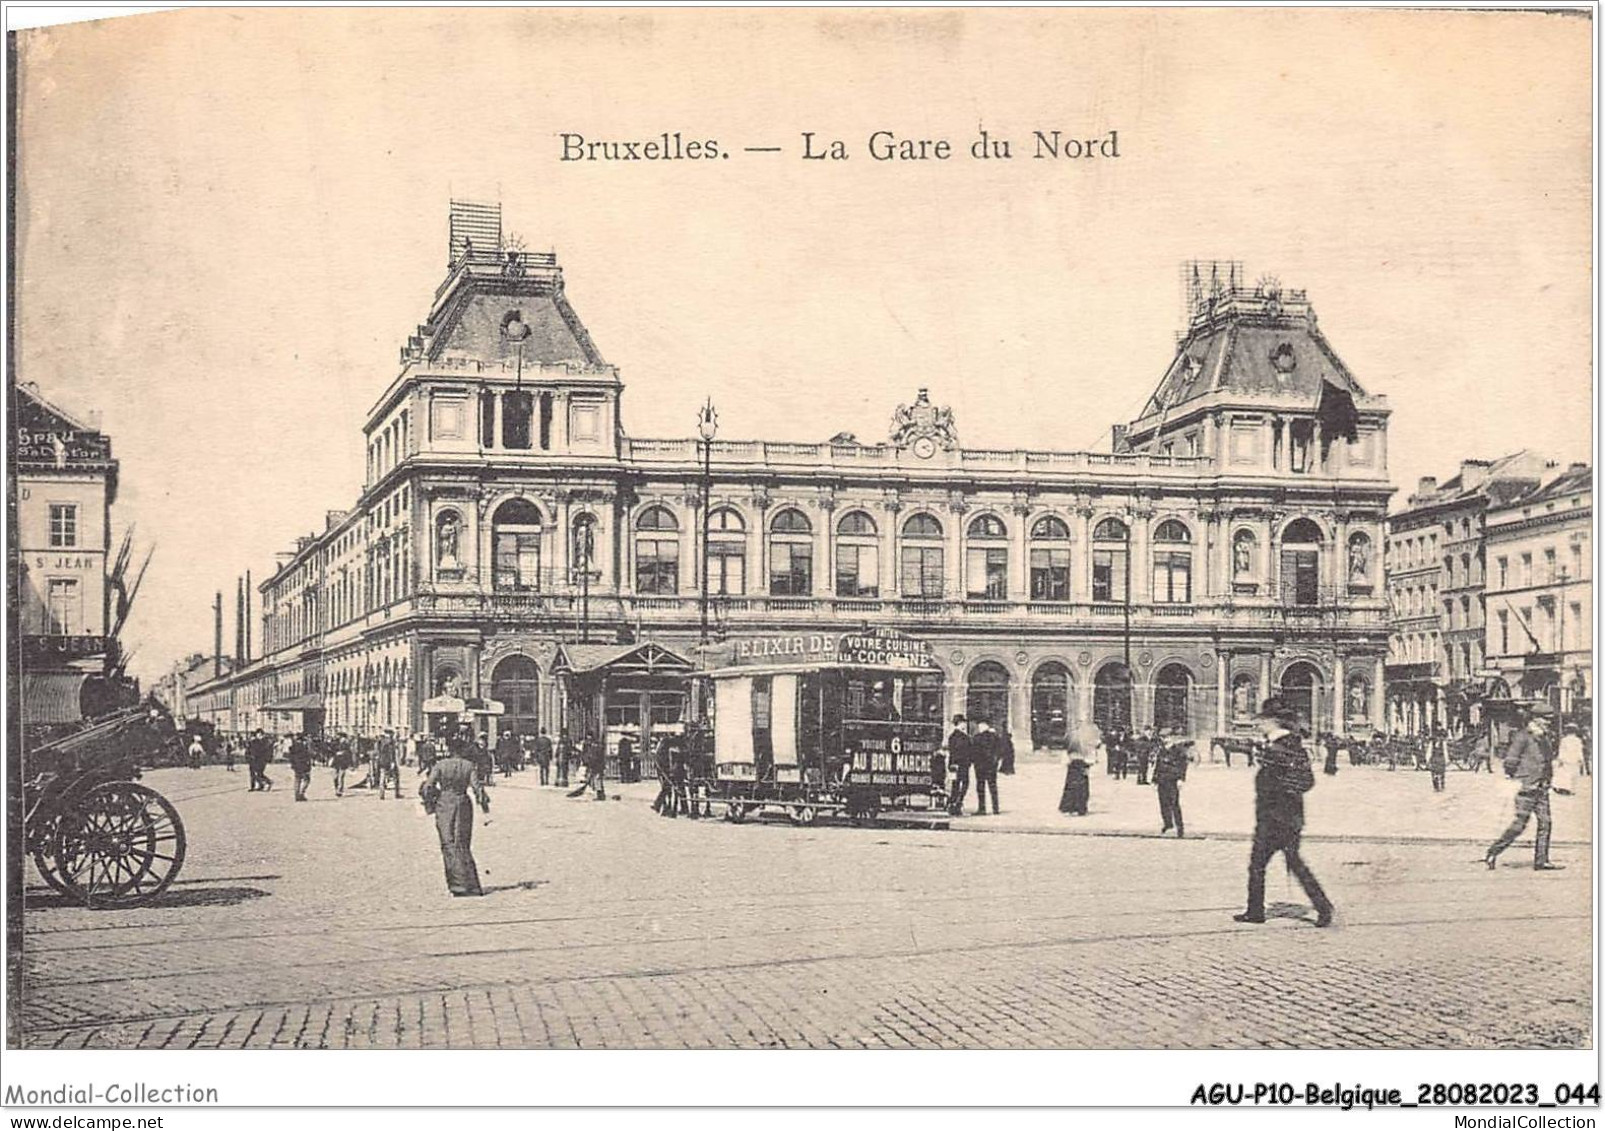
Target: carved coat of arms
{"x":924,"y":421}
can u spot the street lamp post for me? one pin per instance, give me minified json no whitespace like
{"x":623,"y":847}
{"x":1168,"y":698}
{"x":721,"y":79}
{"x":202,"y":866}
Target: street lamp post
{"x":707,"y":428}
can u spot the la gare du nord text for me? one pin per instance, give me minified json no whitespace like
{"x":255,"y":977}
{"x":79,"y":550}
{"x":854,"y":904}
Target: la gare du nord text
{"x":882,"y":145}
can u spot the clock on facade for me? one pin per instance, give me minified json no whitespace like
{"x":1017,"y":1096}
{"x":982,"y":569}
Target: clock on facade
{"x":925,"y":447}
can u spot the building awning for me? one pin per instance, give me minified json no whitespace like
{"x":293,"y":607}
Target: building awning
{"x":444,"y":705}
{"x":484,"y":707}
{"x":53,"y":697}
{"x":299,"y":703}
{"x":643,"y":658}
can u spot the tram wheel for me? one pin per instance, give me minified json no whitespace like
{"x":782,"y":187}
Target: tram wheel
{"x":735,"y":812}
{"x":805,"y":815}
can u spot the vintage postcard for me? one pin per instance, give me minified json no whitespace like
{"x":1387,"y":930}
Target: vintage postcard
{"x":821,"y":528}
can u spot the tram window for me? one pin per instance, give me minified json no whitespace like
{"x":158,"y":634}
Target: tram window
{"x":922,"y":701}
{"x":870,"y":699}
{"x":809,"y":707}
{"x":763,"y":748}
{"x":624,"y":712}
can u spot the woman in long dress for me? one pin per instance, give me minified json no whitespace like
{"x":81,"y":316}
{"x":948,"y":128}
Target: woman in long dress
{"x":1077,"y":787}
{"x":449,"y":792}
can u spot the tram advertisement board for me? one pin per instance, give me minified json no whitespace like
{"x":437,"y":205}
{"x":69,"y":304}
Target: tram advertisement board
{"x":873,"y":648}
{"x":883,"y":648}
{"x":887,"y":755}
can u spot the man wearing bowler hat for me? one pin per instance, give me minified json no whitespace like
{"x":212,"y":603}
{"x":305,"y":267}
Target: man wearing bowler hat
{"x":958,"y":761}
{"x":1284,"y":777}
{"x":1530,"y":759}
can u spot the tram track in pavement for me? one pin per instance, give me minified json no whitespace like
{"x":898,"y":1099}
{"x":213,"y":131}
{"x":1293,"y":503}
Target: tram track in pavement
{"x":657,"y":941}
{"x":629,"y":910}
{"x":1257,"y":941}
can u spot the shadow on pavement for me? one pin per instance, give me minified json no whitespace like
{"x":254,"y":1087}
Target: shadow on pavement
{"x":192,"y":897}
{"x":525,"y":885}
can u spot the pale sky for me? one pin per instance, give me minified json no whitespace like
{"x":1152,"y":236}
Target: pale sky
{"x":229,"y":221}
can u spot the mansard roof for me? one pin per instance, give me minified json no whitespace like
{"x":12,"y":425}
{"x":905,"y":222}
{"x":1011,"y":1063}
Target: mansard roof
{"x":486,"y":293}
{"x":1252,"y":343}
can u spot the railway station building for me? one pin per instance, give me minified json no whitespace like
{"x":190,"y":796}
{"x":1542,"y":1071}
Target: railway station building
{"x":514,"y":538}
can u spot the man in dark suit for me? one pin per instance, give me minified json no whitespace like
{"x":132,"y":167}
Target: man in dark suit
{"x":1170,"y":770}
{"x":1284,"y":777}
{"x":984,"y":752}
{"x":958,"y":760}
{"x":1530,"y":759}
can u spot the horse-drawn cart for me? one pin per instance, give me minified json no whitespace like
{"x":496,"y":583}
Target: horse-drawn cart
{"x":95,"y":833}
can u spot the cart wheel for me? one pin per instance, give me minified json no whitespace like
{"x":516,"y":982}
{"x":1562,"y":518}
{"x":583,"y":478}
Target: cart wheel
{"x":805,"y":815}
{"x":121,"y":844}
{"x":46,"y":863}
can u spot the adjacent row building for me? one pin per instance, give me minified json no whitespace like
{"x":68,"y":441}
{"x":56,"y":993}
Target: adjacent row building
{"x":1484,"y":572}
{"x":515,"y":543}
{"x":70,"y":590}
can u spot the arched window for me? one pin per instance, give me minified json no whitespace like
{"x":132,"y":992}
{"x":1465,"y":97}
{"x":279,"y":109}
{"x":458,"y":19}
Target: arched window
{"x":727,"y":553}
{"x":857,"y":556}
{"x":987,"y":694}
{"x":856,"y":522}
{"x":1050,"y":559}
{"x":1172,"y":687}
{"x":1301,"y":563}
{"x":515,"y":684}
{"x":1173,"y":563}
{"x":1111,"y":698}
{"x":1245,"y":550}
{"x":922,"y":557}
{"x":791,"y":554}
{"x":1050,"y":706}
{"x":657,"y":552}
{"x":516,"y":535}
{"x":1111,"y":567}
{"x":1302,"y":687}
{"x":791,"y":521}
{"x":986,"y":559}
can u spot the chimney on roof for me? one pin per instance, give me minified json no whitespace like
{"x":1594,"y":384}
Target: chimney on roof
{"x":1427,"y":485}
{"x":475,"y":229}
{"x":1576,"y":468}
{"x":1474,"y":472}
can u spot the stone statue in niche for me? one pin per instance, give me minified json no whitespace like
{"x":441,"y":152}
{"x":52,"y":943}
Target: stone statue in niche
{"x":1359,"y":562}
{"x":1242,"y":557}
{"x":448,"y":540}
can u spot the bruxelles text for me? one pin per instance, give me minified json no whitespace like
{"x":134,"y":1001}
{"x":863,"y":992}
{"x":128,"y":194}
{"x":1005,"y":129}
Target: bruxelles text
{"x":880,"y":146}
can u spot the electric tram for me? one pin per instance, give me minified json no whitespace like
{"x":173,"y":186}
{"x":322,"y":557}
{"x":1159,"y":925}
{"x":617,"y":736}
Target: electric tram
{"x":826,"y":724}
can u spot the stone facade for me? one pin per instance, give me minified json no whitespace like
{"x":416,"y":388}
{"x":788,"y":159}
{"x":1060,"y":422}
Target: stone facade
{"x":1228,"y":545}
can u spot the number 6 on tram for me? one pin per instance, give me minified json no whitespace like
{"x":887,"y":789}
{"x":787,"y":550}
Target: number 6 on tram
{"x":825,"y":724}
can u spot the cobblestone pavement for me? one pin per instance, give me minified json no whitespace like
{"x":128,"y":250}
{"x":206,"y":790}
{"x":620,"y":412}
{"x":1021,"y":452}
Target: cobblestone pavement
{"x":1360,"y":802}
{"x":326,"y":925}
